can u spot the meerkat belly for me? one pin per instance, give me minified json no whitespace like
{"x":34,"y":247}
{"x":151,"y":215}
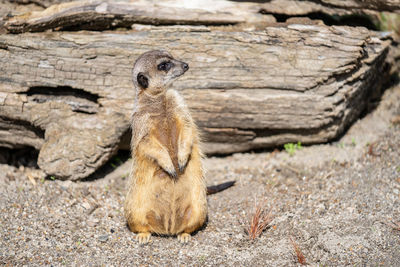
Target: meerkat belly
{"x":171,"y":197}
{"x":171,"y":209}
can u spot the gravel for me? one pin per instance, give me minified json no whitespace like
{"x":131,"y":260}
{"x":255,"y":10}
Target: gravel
{"x":336,"y":201}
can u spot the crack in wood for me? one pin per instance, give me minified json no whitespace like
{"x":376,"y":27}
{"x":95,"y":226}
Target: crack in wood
{"x":24,"y":156}
{"x":15,"y":133}
{"x":354,"y":20}
{"x":78,"y":99}
{"x":6,"y":122}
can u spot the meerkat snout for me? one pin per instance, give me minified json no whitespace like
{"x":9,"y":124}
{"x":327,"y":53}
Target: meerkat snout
{"x":185,"y":66}
{"x":155,"y":70}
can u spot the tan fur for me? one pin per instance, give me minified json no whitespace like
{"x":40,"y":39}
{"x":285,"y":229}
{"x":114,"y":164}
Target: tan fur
{"x":164,"y":142}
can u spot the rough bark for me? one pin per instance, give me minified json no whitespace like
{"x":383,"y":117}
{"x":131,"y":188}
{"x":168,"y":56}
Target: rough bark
{"x":101,"y":15}
{"x":378,"y":5}
{"x":70,"y":94}
{"x":330,"y":7}
{"x":40,"y":3}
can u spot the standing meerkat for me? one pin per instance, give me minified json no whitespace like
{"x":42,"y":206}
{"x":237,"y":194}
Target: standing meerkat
{"x":166,"y":188}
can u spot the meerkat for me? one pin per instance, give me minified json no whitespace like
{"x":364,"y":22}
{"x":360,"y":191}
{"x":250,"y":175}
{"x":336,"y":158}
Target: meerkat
{"x":166,"y":190}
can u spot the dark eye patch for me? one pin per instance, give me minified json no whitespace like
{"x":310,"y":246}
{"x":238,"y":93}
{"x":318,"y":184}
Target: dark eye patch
{"x":165,"y":66}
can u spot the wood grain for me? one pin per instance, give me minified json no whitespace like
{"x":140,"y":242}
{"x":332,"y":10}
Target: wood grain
{"x":70,"y":94}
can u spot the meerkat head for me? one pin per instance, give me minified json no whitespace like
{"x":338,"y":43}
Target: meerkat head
{"x":155,"y":70}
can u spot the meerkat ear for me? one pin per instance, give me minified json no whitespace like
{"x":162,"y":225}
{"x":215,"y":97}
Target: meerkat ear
{"x":142,"y":80}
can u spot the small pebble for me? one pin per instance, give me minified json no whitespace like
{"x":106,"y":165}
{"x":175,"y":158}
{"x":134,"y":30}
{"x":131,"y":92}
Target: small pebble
{"x":86,"y":205}
{"x":93,"y":222}
{"x":103,"y":238}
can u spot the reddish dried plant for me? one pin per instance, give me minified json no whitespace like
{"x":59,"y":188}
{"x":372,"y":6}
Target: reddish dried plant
{"x":300,"y":257}
{"x":259,"y":220}
{"x":394,"y":225}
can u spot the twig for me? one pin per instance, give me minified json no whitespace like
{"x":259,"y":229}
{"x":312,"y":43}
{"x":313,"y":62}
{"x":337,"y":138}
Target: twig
{"x":393,"y":225}
{"x":287,"y":166}
{"x":300,"y":257}
{"x":31,"y":179}
{"x":327,"y":175}
{"x":93,"y":208}
{"x":371,"y":151}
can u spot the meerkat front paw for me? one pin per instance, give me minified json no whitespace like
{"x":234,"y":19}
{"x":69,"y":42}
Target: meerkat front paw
{"x":184,"y":238}
{"x":168,"y":167}
{"x":182,"y":162}
{"x":143,"y":238}
{"x":171,"y":171}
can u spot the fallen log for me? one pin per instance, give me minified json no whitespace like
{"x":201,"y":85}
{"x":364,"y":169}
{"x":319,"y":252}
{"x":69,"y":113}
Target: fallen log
{"x":103,"y":15}
{"x":70,"y":95}
{"x":378,"y":5}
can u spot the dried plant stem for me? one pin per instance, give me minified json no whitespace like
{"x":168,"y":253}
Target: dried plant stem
{"x":259,"y":220}
{"x":394,"y":225}
{"x":300,"y":257}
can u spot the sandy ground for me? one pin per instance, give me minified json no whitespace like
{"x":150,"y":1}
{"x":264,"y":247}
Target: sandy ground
{"x":335,"y":201}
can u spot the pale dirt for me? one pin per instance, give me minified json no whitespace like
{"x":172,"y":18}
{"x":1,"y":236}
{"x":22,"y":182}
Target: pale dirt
{"x":334,"y":200}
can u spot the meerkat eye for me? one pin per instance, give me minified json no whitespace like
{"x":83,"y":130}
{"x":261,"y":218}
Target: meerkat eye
{"x":165,"y":66}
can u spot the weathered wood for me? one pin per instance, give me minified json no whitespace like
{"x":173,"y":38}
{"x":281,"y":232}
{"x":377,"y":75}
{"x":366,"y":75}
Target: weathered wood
{"x":101,"y":15}
{"x":246,"y":90}
{"x":331,"y":7}
{"x":41,"y":3}
{"x":379,"y":5}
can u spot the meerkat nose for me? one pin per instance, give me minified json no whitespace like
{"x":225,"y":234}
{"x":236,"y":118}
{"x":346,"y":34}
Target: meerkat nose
{"x":185,"y":66}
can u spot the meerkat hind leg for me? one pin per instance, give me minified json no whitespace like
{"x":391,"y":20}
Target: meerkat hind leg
{"x":184,"y":237}
{"x":143,"y":238}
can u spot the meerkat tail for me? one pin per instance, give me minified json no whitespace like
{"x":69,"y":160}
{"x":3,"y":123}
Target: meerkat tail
{"x":220,"y":187}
